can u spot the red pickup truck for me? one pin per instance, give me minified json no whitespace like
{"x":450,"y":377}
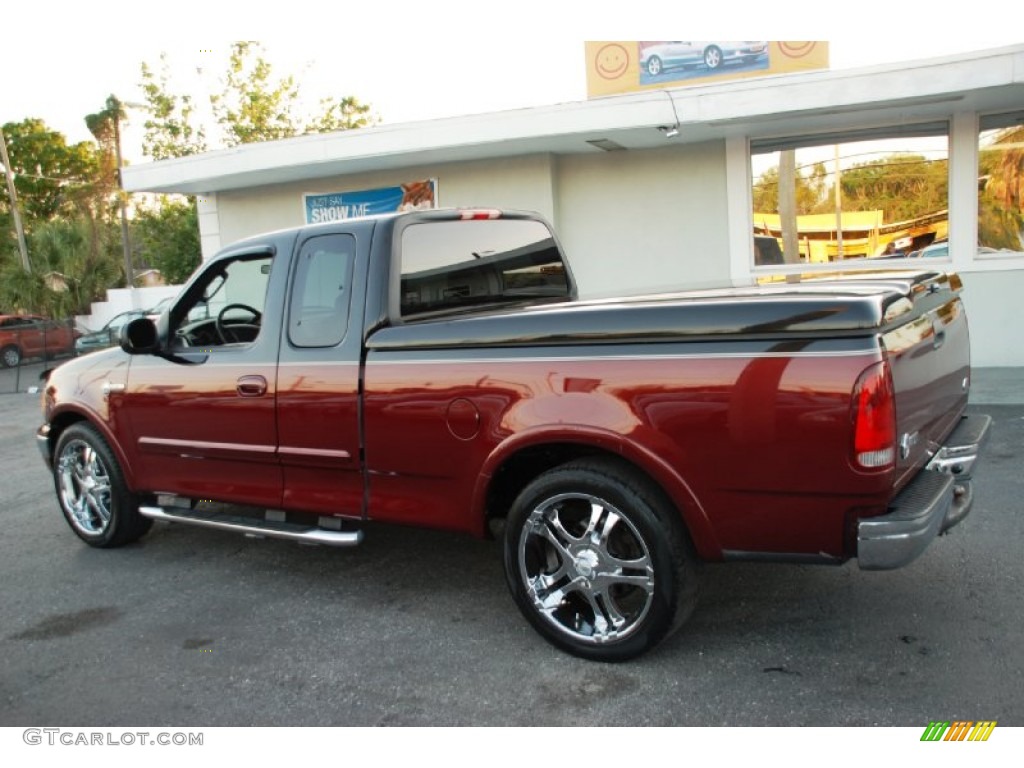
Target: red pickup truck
{"x":437,"y":369}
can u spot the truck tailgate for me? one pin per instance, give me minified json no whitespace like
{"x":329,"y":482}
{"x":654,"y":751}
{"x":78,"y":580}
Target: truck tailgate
{"x":927,"y":344}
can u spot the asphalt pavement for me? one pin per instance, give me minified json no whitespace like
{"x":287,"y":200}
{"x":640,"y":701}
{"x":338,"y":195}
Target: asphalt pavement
{"x":204,"y":628}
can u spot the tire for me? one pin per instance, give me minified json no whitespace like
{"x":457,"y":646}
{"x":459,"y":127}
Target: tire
{"x":10,"y":356}
{"x":91,"y":490}
{"x":598,"y":561}
{"x":654,"y":66}
{"x":713,"y":57}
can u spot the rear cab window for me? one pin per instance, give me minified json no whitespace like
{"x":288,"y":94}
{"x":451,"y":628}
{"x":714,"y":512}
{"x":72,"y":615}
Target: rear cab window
{"x":453,"y":266}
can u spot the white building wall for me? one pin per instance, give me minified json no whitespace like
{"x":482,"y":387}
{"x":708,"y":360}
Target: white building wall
{"x":993,"y":302}
{"x":521,"y":183}
{"x":645,"y":220}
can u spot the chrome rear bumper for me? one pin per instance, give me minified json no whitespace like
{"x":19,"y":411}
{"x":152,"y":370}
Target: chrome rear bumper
{"x":936,"y":500}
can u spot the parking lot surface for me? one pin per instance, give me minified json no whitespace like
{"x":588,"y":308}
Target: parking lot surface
{"x":204,"y":628}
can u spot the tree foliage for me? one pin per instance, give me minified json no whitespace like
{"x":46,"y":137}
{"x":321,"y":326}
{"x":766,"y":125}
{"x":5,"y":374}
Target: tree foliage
{"x":51,"y":177}
{"x":74,"y":261}
{"x":255,"y":105}
{"x":65,"y":196}
{"x":169,"y":126}
{"x":1001,"y":204}
{"x":168,"y":236}
{"x":904,"y":186}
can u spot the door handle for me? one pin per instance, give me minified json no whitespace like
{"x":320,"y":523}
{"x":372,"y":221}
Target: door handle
{"x":251,"y":386}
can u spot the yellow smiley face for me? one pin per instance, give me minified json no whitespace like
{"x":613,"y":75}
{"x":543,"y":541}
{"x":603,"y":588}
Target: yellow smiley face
{"x":611,"y":61}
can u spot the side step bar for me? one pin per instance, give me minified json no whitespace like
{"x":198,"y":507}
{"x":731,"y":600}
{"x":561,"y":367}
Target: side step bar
{"x":254,"y":527}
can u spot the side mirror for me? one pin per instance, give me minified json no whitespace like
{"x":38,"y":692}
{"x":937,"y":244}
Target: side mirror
{"x":140,"y":337}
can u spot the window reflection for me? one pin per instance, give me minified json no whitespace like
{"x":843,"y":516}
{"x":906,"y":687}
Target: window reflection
{"x":1001,"y":186}
{"x":873,"y":194}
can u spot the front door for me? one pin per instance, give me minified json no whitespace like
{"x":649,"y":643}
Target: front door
{"x":204,"y":422}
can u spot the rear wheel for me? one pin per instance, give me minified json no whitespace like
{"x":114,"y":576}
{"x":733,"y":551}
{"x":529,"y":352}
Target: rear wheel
{"x":598,"y":561}
{"x":654,"y":66}
{"x":713,"y":57}
{"x":90,"y":486}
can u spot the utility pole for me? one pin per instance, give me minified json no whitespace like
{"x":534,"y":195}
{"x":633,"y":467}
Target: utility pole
{"x":13,"y":194}
{"x":126,"y":242}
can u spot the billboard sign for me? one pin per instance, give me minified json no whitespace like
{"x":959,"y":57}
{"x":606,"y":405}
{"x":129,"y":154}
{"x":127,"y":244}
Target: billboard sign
{"x":336,"y":206}
{"x":626,"y":66}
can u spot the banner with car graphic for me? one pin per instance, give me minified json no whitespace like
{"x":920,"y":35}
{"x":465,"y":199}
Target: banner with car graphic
{"x":621,"y":67}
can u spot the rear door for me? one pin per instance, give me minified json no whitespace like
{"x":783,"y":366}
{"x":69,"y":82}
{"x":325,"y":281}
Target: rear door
{"x":318,"y":377}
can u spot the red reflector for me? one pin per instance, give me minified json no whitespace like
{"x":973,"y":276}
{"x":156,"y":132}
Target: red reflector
{"x":874,"y":419}
{"x":480,"y":214}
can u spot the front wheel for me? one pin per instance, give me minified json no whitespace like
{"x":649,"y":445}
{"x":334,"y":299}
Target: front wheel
{"x":654,"y":66}
{"x":598,"y":561}
{"x":713,"y":57}
{"x":10,"y":356}
{"x":92,"y":492}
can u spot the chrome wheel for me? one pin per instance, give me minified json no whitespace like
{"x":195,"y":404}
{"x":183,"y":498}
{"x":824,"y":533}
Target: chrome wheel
{"x":586,"y":568}
{"x":712,"y":58}
{"x":84,"y":487}
{"x":654,"y":66}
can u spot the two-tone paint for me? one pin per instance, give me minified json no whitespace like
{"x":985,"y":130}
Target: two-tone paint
{"x":737,"y":403}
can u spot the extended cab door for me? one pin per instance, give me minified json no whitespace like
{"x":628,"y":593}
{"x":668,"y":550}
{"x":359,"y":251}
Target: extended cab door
{"x":318,"y":376}
{"x":203,"y":424}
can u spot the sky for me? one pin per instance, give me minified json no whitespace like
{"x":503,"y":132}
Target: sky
{"x":415,"y":61}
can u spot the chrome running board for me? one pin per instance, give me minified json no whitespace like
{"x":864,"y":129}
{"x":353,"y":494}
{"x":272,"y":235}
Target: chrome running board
{"x":257,"y":528}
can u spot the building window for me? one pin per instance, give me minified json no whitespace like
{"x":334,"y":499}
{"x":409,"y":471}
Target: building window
{"x":1001,"y":186}
{"x":855,"y":196}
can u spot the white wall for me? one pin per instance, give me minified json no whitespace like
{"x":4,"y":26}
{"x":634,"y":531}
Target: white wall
{"x":993,"y":302}
{"x":645,"y":220}
{"x":121,"y":300}
{"x":522,"y":183}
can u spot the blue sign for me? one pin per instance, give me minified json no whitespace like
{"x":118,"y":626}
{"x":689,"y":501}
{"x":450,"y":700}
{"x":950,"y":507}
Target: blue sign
{"x":336,"y":206}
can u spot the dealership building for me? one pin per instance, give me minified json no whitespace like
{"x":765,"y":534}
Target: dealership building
{"x":664,"y":188}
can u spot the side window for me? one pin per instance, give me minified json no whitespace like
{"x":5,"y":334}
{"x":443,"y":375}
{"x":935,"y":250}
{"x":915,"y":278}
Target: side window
{"x":225,"y":306}
{"x":318,"y":315}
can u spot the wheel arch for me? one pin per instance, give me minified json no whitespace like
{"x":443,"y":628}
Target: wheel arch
{"x":61,"y":419}
{"x":525,"y":456}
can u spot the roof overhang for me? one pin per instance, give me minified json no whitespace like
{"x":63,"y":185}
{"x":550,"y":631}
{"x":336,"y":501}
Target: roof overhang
{"x":778,"y":105}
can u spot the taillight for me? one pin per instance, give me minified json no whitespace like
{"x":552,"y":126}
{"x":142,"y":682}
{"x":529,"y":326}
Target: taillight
{"x":874,"y":418}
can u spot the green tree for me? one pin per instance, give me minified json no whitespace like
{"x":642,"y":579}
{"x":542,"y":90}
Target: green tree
{"x":74,"y":261}
{"x":169,"y":127}
{"x":168,"y":236}
{"x":254,"y":104}
{"x":52,"y":178}
{"x":766,"y":192}
{"x":904,"y":186}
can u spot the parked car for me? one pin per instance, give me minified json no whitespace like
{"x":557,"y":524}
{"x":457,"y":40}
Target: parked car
{"x":108,"y":335}
{"x":936,"y":251}
{"x":24,"y":336}
{"x":679,"y":53}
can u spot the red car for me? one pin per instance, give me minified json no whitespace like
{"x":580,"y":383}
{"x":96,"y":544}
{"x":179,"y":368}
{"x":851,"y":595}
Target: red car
{"x":24,"y":336}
